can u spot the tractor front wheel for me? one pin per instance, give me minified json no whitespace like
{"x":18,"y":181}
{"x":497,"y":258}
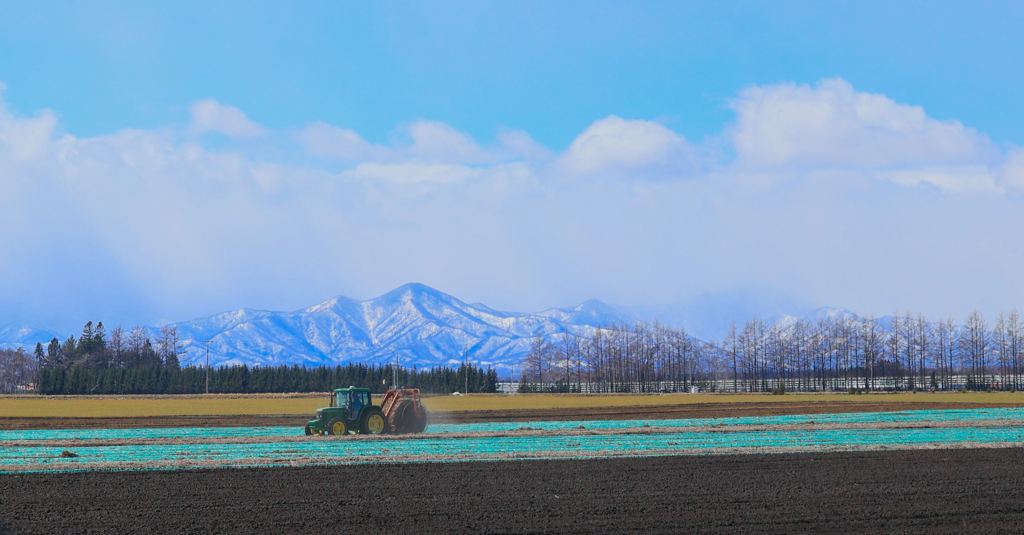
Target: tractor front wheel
{"x":337,"y":427}
{"x":373,"y":423}
{"x":308,"y":430}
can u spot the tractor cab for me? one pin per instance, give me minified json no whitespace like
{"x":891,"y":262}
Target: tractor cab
{"x":353,"y":399}
{"x":351,"y":409}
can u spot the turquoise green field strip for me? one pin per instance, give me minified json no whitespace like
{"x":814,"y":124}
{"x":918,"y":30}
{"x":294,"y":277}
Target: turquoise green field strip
{"x":487,"y":448}
{"x":938,"y":416}
{"x":275,"y":446}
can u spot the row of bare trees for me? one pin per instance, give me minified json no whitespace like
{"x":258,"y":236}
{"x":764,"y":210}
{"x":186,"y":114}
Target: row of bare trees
{"x":17,"y":370}
{"x":831,"y":352}
{"x":906,"y":352}
{"x":619,"y":358}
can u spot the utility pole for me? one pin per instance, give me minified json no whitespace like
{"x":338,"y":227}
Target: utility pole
{"x":465,"y":355}
{"x":207,"y":365}
{"x":394,"y":381}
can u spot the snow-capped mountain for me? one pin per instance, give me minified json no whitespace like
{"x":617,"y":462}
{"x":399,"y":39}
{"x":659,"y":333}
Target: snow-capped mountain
{"x":425,"y":327}
{"x":787,"y":322}
{"x":22,"y":334}
{"x":884,"y":324}
{"x":709,"y":316}
{"x":421,"y":325}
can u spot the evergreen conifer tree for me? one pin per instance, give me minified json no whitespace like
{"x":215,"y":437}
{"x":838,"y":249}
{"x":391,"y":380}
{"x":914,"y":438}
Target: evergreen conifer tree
{"x":40,"y":356}
{"x":68,"y":351}
{"x":99,"y":336}
{"x":86,"y":342}
{"x":53,"y":353}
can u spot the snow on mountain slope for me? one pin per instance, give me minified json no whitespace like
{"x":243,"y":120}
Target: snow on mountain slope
{"x":25,"y":335}
{"x":710,"y":315}
{"x":423,"y":326}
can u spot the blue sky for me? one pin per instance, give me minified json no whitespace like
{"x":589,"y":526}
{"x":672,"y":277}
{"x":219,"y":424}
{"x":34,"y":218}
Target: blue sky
{"x":549,"y":68}
{"x":162,"y":161}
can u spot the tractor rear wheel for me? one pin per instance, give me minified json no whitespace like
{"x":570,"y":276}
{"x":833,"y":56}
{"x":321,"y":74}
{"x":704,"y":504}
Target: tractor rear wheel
{"x":373,"y":423}
{"x":337,"y":427}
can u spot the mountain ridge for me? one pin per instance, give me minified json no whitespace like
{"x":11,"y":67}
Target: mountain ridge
{"x":423,"y":326}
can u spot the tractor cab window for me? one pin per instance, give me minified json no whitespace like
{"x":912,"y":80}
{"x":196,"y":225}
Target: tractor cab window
{"x":339,"y":399}
{"x":357,"y":400}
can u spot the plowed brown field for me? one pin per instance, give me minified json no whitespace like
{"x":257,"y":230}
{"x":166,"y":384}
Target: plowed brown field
{"x":930,"y":491}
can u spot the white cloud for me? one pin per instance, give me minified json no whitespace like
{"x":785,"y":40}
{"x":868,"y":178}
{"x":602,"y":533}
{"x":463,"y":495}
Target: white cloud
{"x":328,"y":141}
{"x":833,"y":125}
{"x":966,"y":178}
{"x":519,"y":145}
{"x":25,"y":138}
{"x":1012,"y":172}
{"x":411,"y":173}
{"x":208,"y":115}
{"x":155,"y":221}
{"x":430,"y":142}
{"x":435,"y":141}
{"x":617,"y":146}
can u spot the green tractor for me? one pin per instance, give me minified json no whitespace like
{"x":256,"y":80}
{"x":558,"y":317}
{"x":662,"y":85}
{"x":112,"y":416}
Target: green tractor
{"x":351,"y":410}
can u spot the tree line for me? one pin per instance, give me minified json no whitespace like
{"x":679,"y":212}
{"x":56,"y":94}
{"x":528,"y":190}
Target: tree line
{"x":131,"y":362}
{"x":95,"y":349}
{"x":17,"y":370}
{"x":910,"y":353}
{"x":642,"y":357}
{"x":828,"y":353}
{"x":162,"y":379}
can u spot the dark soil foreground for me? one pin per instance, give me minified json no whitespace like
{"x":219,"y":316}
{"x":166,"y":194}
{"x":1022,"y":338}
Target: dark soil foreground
{"x":932,"y":491}
{"x":630,"y":412}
